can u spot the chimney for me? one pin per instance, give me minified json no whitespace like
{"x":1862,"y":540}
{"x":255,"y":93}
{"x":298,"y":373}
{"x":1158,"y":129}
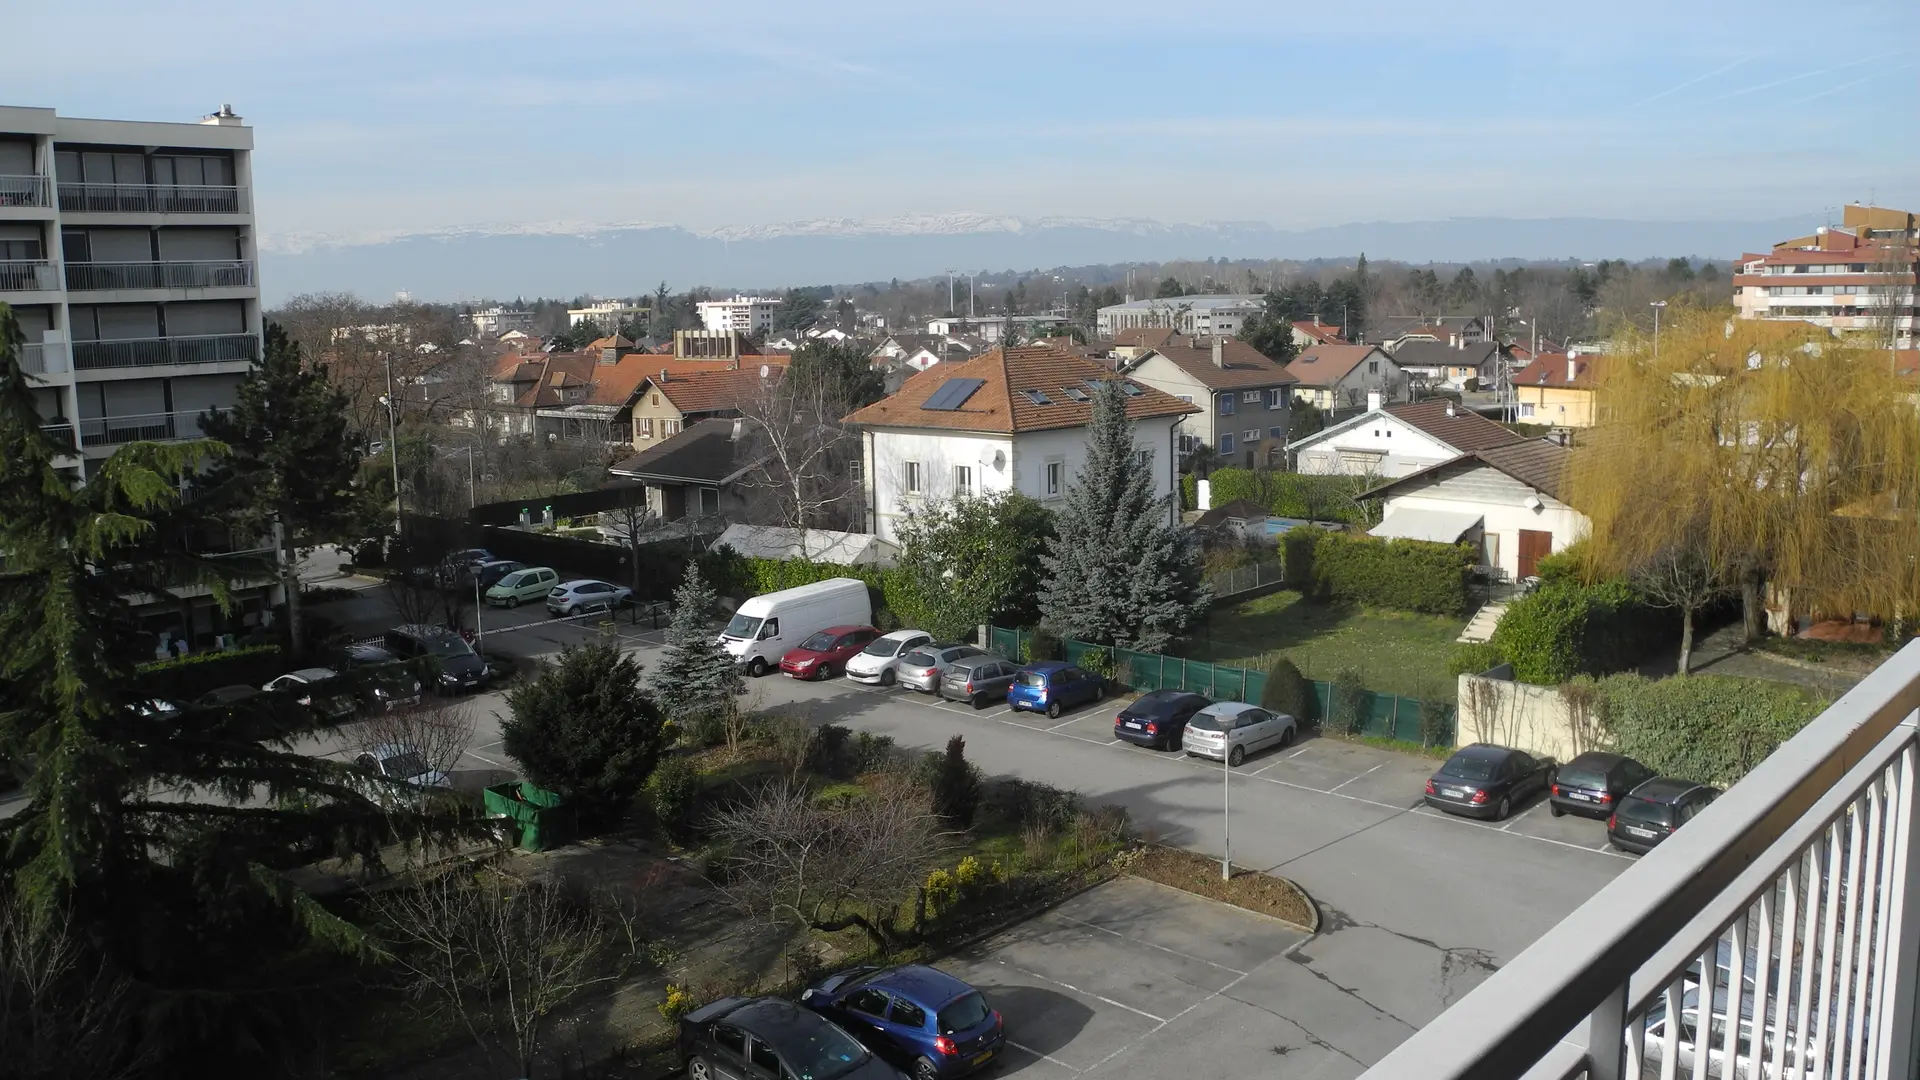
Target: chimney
{"x":1573,"y":367}
{"x":1450,"y":411}
{"x":735,"y":435}
{"x":663,"y":374}
{"x":1373,"y":401}
{"x":1219,"y":351}
{"x":226,"y":117}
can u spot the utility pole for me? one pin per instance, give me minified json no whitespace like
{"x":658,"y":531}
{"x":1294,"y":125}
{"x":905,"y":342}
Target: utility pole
{"x":393,"y":442}
{"x":1656,"y":306}
{"x":950,"y":291}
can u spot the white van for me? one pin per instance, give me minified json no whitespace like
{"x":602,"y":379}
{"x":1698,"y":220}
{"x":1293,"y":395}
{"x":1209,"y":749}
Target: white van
{"x":766,"y":626}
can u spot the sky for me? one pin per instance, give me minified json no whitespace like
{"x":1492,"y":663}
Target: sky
{"x":385,"y":118}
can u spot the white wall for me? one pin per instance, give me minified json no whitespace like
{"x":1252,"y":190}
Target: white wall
{"x":1500,"y":500}
{"x":1402,"y":448}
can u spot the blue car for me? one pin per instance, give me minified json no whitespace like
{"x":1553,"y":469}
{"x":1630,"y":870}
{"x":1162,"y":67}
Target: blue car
{"x":1052,"y":687}
{"x":929,"y":1022}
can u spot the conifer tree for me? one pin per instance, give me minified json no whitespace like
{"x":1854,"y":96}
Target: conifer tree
{"x":695,"y":676}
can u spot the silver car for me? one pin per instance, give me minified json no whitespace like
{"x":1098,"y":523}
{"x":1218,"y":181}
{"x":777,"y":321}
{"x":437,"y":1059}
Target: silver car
{"x":877,"y":663}
{"x":923,"y":668}
{"x":977,"y":680}
{"x":1233,"y":729}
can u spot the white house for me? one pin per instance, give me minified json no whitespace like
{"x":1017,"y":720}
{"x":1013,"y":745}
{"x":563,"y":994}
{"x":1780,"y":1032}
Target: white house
{"x":1010,"y":420}
{"x":1195,"y":316}
{"x":1506,"y":500}
{"x":1397,"y":440}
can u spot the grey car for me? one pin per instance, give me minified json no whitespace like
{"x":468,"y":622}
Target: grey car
{"x":978,"y":680}
{"x":923,"y":668}
{"x":1233,"y":729}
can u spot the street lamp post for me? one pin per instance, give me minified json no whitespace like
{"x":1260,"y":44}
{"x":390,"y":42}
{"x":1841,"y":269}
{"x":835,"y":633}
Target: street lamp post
{"x":1226,"y":810}
{"x":1656,"y":306}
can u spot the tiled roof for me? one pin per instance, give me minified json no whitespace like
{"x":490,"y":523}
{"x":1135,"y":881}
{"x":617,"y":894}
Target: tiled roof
{"x":1462,"y":429}
{"x":999,"y":405}
{"x":711,"y":391}
{"x":616,"y":341}
{"x":1423,"y":353}
{"x":1321,"y":332}
{"x":704,"y":452}
{"x":1326,"y":365}
{"x":1550,"y":369}
{"x":1245,"y":366}
{"x":1537,"y":463}
{"x":1144,"y":337}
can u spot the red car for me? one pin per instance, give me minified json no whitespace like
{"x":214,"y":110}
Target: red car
{"x":827,"y":652}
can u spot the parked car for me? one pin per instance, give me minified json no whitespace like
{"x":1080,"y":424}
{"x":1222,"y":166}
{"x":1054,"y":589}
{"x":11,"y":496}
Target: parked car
{"x":977,"y":680}
{"x":877,"y":662}
{"x":585,"y":594}
{"x":768,"y":625}
{"x":412,"y":777}
{"x":772,"y":1039}
{"x":826,"y":652}
{"x":533,"y":583}
{"x":922,"y":1019}
{"x":384,"y":688}
{"x":1158,"y":718}
{"x":1230,"y":730}
{"x":365,"y":654}
{"x":222,"y":696}
{"x":923,"y":668}
{"x":1780,"y":1053}
{"x":1052,"y":687}
{"x":456,"y":666}
{"x":1486,"y":781}
{"x":1593,"y":783}
{"x":1651,"y":812}
{"x":488,"y":574}
{"x":320,"y":689}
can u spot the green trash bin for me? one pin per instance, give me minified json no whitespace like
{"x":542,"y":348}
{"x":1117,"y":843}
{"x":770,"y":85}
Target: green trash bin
{"x":540,"y":819}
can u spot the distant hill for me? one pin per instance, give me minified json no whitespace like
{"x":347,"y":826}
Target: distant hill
{"x":618,"y":260}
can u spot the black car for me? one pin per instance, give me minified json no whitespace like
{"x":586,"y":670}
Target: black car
{"x":1649,"y":813}
{"x":1593,"y":783}
{"x":452,"y":663}
{"x":1486,"y":781}
{"x":772,"y":1039}
{"x":1158,"y":718}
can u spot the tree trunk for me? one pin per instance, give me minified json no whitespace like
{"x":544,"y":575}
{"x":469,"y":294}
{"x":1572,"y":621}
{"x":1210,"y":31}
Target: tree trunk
{"x":876,"y":933}
{"x":290,"y":584}
{"x":1686,"y":640}
{"x":1753,"y":608}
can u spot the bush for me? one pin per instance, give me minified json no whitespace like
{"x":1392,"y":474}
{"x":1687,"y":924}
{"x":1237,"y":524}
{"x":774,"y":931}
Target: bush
{"x":1564,"y":628}
{"x":678,"y":1003}
{"x":672,"y":788}
{"x":1284,"y":494}
{"x":187,"y":677}
{"x":1296,"y":556}
{"x":585,"y":729}
{"x":1018,"y":802}
{"x":1097,"y":661}
{"x":1039,"y":645}
{"x":1287,"y":691}
{"x":1474,"y":657}
{"x":1436,"y":722}
{"x":956,"y":785}
{"x":873,"y":753}
{"x":1409,"y":575}
{"x":1350,"y":698}
{"x":1709,"y":728}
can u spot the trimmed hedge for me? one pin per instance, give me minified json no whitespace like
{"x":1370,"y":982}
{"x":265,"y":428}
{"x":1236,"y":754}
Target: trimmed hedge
{"x":1284,"y":494}
{"x":187,"y":677}
{"x":734,"y":575}
{"x":1564,"y":628}
{"x":1708,"y":728}
{"x":1408,"y":575}
{"x":1287,"y":691}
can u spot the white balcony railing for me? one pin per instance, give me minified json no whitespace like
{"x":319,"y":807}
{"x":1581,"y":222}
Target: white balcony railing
{"x":28,"y":275}
{"x":200,"y":274}
{"x":153,"y":198}
{"x":145,"y":427}
{"x":162,"y":352}
{"x":1789,"y":904}
{"x":45,"y":358}
{"x":24,"y":191}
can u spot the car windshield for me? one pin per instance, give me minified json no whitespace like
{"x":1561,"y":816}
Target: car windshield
{"x":513,"y":580}
{"x":1210,"y":722}
{"x":450,"y":646}
{"x":1032,"y":678}
{"x":918,"y":658}
{"x":964,"y":1014}
{"x":742,"y":626}
{"x":1581,"y":775}
{"x":820,"y":642}
{"x":883,"y":647}
{"x":821,"y":1053}
{"x":1464,"y":767}
{"x":406,"y":766}
{"x":1643,"y":811}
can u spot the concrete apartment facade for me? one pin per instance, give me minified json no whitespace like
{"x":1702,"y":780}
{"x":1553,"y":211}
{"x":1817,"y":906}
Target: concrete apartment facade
{"x":740,"y":314}
{"x":1861,"y":277}
{"x":1194,"y":316}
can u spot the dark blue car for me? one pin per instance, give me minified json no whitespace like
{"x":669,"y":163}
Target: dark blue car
{"x":1052,"y":687}
{"x":929,"y":1022}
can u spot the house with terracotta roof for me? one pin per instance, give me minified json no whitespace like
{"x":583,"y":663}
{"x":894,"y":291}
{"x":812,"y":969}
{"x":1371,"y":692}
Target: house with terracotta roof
{"x":1330,"y":377}
{"x":1013,"y":419}
{"x":1435,"y":363}
{"x":1396,"y":440}
{"x":1558,"y":389}
{"x":670,"y":400}
{"x":1245,"y":398}
{"x":1508,"y":501}
{"x":1308,"y":333}
{"x":523,"y":384}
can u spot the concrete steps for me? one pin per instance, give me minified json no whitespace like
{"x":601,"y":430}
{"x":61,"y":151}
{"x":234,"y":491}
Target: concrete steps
{"x":1480,"y":627}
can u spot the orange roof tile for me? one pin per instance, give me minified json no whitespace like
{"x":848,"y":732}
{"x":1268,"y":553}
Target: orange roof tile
{"x":999,"y":405}
{"x":1325,"y":365}
{"x":1550,"y":369}
{"x":1245,"y":366}
{"x":711,"y":391}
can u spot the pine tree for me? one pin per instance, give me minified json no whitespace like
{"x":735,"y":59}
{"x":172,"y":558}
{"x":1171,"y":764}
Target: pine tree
{"x":586,"y":729}
{"x":1119,"y":571}
{"x":695,"y":676}
{"x":292,"y":465}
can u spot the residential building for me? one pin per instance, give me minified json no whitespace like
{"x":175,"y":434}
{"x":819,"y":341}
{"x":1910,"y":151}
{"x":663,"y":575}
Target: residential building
{"x":1861,"y":277}
{"x":494,"y":321}
{"x":127,"y":253}
{"x":1396,"y":440}
{"x":694,"y":473}
{"x":1307,"y":334}
{"x":1194,"y":316}
{"x":522,"y":385}
{"x":1557,"y":389}
{"x":1435,"y":364}
{"x":740,"y":314}
{"x":1245,"y":398}
{"x":1331,"y":377}
{"x":609,"y":314}
{"x":993,"y":329}
{"x":672,"y":399}
{"x":1135,"y":342}
{"x":1453,"y":330}
{"x":1013,"y":419}
{"x":1508,"y":501}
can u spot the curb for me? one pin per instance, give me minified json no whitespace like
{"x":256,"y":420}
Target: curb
{"x":1310,"y":931}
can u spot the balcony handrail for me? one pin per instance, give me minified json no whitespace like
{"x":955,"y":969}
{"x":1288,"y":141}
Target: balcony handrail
{"x":28,"y":275}
{"x":179,"y":424}
{"x":1592,"y":969}
{"x":164,"y":351}
{"x":160,"y":274}
{"x":24,"y":189}
{"x":88,"y":197}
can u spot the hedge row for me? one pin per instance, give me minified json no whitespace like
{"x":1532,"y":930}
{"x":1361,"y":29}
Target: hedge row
{"x":1564,"y":628}
{"x":187,"y":677}
{"x":1284,"y":494}
{"x":732,"y":574}
{"x":1408,"y":575}
{"x":1709,"y":728}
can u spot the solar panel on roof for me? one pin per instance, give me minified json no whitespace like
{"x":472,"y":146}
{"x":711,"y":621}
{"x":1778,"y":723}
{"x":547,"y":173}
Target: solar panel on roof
{"x":952,"y":394}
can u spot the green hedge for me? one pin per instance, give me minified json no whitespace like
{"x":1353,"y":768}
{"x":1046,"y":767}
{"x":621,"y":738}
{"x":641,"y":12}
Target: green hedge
{"x":187,"y":677}
{"x":1284,"y":494}
{"x":1408,"y":575}
{"x":735,"y":575}
{"x":1564,"y":628}
{"x":1708,"y":728}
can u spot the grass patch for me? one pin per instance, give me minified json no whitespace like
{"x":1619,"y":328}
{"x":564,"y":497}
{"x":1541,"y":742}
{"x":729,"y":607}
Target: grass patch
{"x":1395,"y":652}
{"x":1398,"y":746}
{"x":1200,"y":875}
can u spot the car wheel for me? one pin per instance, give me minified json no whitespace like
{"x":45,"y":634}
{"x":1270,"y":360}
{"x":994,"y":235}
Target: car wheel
{"x":925,"y":1069}
{"x":825,"y":673}
{"x":698,"y":1069}
{"x":1236,"y":755}
{"x":513,"y":601}
{"x":1555,"y":810}
{"x":757,"y":668}
{"x":1286,"y":738}
{"x":886,"y":677}
{"x":1053,"y":710}
{"x":1506,"y":807}
{"x":978,"y":701}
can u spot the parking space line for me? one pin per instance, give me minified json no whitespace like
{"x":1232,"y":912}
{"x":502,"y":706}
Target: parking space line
{"x":1298,"y":752}
{"x":1043,"y":1057}
{"x":1083,"y":993}
{"x":1064,"y":723}
{"x":490,"y":761}
{"x":1511,"y":822}
{"x":1148,"y":944}
{"x":1362,"y":776}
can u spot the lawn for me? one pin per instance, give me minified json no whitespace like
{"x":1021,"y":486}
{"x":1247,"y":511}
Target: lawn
{"x":1395,"y":652}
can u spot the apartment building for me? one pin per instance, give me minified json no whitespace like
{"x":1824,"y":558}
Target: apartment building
{"x":741,"y":314}
{"x":495,"y":321}
{"x":609,"y":315}
{"x":1860,"y":277}
{"x":1194,"y":316}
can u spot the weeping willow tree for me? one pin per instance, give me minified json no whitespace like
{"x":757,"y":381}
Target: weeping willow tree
{"x":1778,"y":455}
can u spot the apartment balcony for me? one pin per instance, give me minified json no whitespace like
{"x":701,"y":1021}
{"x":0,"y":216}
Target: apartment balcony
{"x":61,"y":432}
{"x":165,"y":352}
{"x":45,"y":358}
{"x":25,"y":191}
{"x":1790,"y":903}
{"x":153,"y":199}
{"x":28,"y":275}
{"x":199,"y":274}
{"x":146,"y":427}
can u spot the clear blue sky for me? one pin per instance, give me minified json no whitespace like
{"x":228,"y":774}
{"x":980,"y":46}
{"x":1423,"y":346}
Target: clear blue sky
{"x":412,"y":114}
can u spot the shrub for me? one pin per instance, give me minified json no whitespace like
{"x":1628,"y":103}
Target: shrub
{"x":941,"y":891}
{"x":1436,"y":722}
{"x":1564,"y":628}
{"x":672,"y":788}
{"x":585,"y":729}
{"x":676,"y":1004}
{"x":1039,"y":645}
{"x":1474,"y":657}
{"x":1284,"y":494}
{"x":1709,"y":728}
{"x":1287,"y":691}
{"x":1098,"y":662}
{"x":873,"y":753}
{"x":829,"y":751}
{"x":1027,"y":802}
{"x":187,"y":677}
{"x":970,"y":873}
{"x":956,"y":784}
{"x":1350,"y":698}
{"x":1409,"y":575}
{"x":1296,"y":557}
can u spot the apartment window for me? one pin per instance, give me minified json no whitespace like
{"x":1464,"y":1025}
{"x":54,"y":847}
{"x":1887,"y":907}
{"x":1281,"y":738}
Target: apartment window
{"x":643,"y":427}
{"x":1226,"y":442}
{"x":962,"y":480}
{"x":1250,"y":397}
{"x":1276,"y":433}
{"x":1226,"y":404}
{"x":1056,"y":476}
{"x":1189,"y":443}
{"x":1526,"y":409}
{"x":1276,"y":399}
{"x":1251,"y":435}
{"x":910,"y":478}
{"x":656,"y":401}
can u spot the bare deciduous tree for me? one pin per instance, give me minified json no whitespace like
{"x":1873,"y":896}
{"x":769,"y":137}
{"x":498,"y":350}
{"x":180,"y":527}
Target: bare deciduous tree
{"x":62,"y":1012}
{"x":801,"y":452}
{"x":1681,"y":577}
{"x":438,"y":729}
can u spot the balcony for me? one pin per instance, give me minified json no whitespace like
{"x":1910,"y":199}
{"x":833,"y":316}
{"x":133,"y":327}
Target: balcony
{"x":145,"y":427}
{"x":45,"y":358}
{"x":204,"y":274}
{"x":1789,"y":903}
{"x":61,"y":432}
{"x":28,"y":275}
{"x":153,"y":199}
{"x":163,"y":352}
{"x":24,"y":191}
